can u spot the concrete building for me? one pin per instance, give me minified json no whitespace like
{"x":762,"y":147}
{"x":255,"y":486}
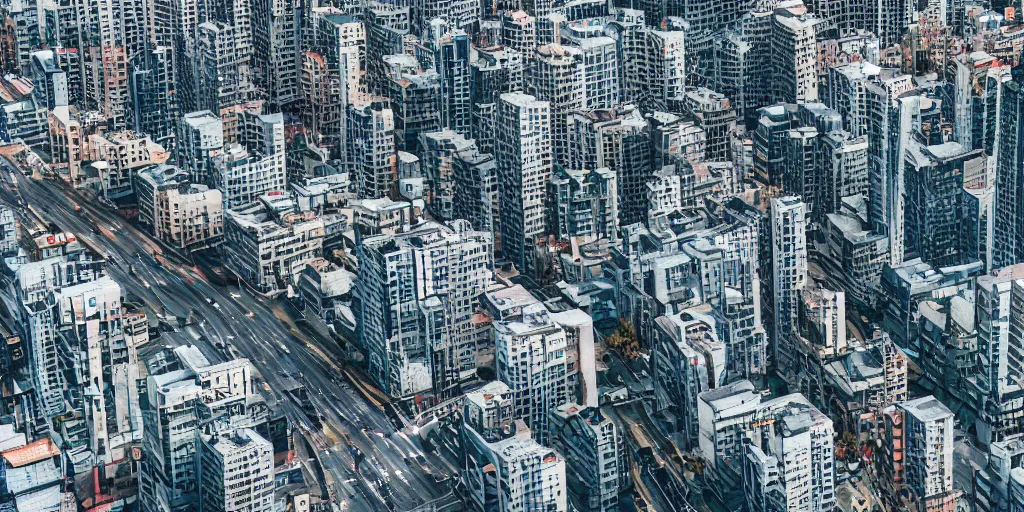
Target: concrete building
{"x":687,"y":359}
{"x":476,"y":190}
{"x":845,"y":90}
{"x":555,"y":74}
{"x":891,"y":114}
{"x":934,"y":181}
{"x":416,"y":100}
{"x":236,"y":471}
{"x":999,"y":297}
{"x":51,"y":82}
{"x":122,"y":153}
{"x":619,"y":140}
{"x":223,"y":66}
{"x":855,"y":255}
{"x":171,"y":475}
{"x":717,"y":117}
{"x":842,"y":166}
{"x":371,"y":148}
{"x":524,"y":156}
{"x":593,"y":448}
{"x":510,"y":472}
{"x":531,"y":358}
{"x":10,"y":232}
{"x":663,"y":72}
{"x":152,"y":97}
{"x":68,"y":136}
{"x":200,"y":135}
{"x":1008,"y":241}
{"x":585,"y":204}
{"x":799,"y":173}
{"x":788,"y":275}
{"x":773,"y":124}
{"x":725,"y":416}
{"x":790,"y":462}
{"x":794,"y":57}
{"x":916,"y":458}
{"x":269,"y":243}
{"x":275,"y":61}
{"x":439,"y":151}
{"x":242,"y":176}
{"x":186,"y":216}
{"x":417,"y":287}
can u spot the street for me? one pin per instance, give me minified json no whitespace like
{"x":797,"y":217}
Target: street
{"x":256,"y":328}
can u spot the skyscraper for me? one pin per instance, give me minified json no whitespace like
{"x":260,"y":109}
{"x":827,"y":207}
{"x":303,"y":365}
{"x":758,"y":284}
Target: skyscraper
{"x":789,"y":275}
{"x":524,"y":156}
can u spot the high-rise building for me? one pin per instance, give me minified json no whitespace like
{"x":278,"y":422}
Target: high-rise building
{"x":619,"y":140}
{"x":505,"y":470}
{"x":188,"y":398}
{"x":200,"y":135}
{"x":371,"y":148}
{"x":664,"y":70}
{"x":915,"y":462}
{"x":555,"y":75}
{"x":275,"y":48}
{"x":531,"y":357}
{"x":223,"y":73}
{"x":717,"y":118}
{"x":999,"y":332}
{"x":891,"y":113}
{"x":236,"y":472}
{"x":153,"y":95}
{"x":687,"y":359}
{"x":790,"y":462}
{"x":585,"y":204}
{"x":440,"y":149}
{"x":799,"y":175}
{"x":794,"y":57}
{"x":1008,"y":242}
{"x":417,"y":288}
{"x":842,"y":165}
{"x":592,"y":445}
{"x":476,"y":191}
{"x":452,"y":63}
{"x":788,"y":225}
{"x":50,"y":81}
{"x":252,"y":162}
{"x":519,"y":32}
{"x":933,"y":183}
{"x":524,"y":157}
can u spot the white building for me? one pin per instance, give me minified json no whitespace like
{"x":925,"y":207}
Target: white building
{"x":171,"y":476}
{"x":593,"y":447}
{"x":999,"y":297}
{"x":199,"y":135}
{"x":417,"y":288}
{"x":916,"y":456}
{"x":524,"y":156}
{"x":9,"y":230}
{"x":242,"y":177}
{"x":513,"y":473}
{"x":531,"y":358}
{"x":236,"y":470}
{"x":794,"y":57}
{"x":790,"y":461}
{"x":186,"y":216}
{"x":687,"y":359}
{"x":788,"y":274}
{"x":267,"y":248}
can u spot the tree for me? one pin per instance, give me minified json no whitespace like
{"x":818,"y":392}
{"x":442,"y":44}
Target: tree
{"x":624,"y":341}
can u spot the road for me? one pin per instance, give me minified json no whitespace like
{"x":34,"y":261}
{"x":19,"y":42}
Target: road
{"x":260,"y":330}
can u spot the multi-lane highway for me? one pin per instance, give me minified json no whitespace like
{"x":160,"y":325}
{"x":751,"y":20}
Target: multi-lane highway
{"x":395,"y":474}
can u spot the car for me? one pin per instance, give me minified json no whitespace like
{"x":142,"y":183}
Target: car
{"x":285,"y":349}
